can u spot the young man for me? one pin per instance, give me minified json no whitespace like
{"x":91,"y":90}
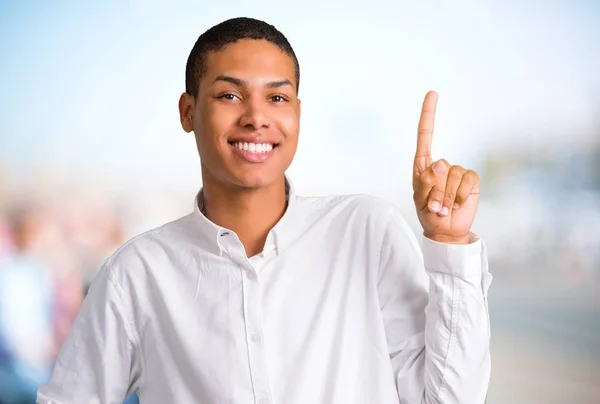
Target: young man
{"x":262,"y":296}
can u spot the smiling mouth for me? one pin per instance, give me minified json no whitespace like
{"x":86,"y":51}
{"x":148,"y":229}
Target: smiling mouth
{"x":254,"y":147}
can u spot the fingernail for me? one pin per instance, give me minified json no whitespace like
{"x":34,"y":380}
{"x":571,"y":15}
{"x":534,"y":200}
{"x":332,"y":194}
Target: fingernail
{"x":435,"y":206}
{"x":444,"y":211}
{"x":456,"y":206}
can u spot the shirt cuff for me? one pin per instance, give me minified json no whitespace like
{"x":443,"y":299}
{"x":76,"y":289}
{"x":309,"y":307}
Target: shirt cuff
{"x":462,"y":260}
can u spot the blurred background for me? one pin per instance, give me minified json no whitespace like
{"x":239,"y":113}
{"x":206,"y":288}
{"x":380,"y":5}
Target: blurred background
{"x":92,"y":153}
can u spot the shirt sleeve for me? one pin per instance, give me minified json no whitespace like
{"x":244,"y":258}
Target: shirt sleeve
{"x":99,"y":362}
{"x":434,"y":305}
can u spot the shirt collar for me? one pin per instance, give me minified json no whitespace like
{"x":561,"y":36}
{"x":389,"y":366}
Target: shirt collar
{"x":278,"y":236}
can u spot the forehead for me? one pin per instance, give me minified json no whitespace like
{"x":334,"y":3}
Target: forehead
{"x":250,"y":59}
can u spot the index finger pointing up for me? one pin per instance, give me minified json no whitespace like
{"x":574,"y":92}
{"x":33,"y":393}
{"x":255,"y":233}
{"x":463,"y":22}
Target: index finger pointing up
{"x":426,"y":123}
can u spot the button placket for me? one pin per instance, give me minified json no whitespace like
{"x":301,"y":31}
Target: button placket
{"x":255,"y":336}
{"x":264,"y":400}
{"x":254,"y":332}
{"x":252,"y":317}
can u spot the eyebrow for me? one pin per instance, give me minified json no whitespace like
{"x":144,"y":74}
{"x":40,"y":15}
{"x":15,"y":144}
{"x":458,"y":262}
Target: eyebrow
{"x":243,"y":83}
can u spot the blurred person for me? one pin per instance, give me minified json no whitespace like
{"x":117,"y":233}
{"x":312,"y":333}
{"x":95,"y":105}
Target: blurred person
{"x":5,"y":238}
{"x":68,"y":291}
{"x":111,"y":236}
{"x":26,"y":307}
{"x":92,"y":232}
{"x":263,"y":296}
{"x":62,"y":259}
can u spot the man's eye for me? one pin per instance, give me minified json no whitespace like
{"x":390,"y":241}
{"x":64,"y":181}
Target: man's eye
{"x":278,"y":98}
{"x":228,"y":96}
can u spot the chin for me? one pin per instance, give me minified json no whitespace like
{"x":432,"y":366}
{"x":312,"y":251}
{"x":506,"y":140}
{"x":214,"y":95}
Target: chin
{"x":255,"y":180}
{"x":239,"y":174}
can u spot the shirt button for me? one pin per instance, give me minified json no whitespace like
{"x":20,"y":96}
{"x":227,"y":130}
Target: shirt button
{"x":255,"y":337}
{"x":251,"y":275}
{"x":264,"y":400}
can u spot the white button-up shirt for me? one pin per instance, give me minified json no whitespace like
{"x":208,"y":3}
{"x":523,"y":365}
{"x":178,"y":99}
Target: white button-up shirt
{"x":341,"y":307}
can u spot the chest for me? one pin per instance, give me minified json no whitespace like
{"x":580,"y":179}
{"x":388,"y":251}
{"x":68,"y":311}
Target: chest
{"x":241,"y":326}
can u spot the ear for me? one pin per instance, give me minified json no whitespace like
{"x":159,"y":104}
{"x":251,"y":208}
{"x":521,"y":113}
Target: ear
{"x":299,"y":108}
{"x":186,"y":112}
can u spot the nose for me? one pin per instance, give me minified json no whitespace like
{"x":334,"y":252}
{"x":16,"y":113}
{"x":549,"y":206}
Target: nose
{"x":255,"y":115}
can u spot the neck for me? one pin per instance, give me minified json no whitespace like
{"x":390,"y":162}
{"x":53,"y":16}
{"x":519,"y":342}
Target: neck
{"x":250,"y":212}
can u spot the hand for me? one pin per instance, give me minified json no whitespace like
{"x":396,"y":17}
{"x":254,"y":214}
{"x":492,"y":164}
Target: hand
{"x":445,"y":196}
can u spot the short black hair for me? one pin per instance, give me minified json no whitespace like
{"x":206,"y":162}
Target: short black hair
{"x":226,"y":33}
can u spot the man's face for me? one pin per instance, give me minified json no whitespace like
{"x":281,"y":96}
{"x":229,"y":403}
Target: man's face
{"x":246,"y":117}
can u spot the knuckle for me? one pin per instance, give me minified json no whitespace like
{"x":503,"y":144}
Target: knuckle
{"x":455,"y":175}
{"x":458,"y":170}
{"x":472,"y":175}
{"x":428,"y":178}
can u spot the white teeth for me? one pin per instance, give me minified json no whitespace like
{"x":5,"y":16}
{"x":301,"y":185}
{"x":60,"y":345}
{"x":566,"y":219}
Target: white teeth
{"x":253,"y":147}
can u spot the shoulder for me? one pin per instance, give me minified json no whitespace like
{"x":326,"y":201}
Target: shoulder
{"x":376,"y":218}
{"x":150,"y":247}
